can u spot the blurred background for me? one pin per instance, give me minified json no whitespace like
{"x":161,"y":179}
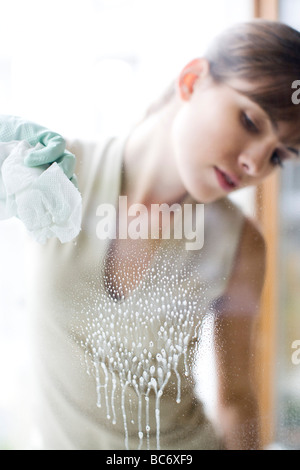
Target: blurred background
{"x":88,"y":67}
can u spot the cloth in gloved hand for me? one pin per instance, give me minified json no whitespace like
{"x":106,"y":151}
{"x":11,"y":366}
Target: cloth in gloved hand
{"x":52,"y":148}
{"x":42,"y":197}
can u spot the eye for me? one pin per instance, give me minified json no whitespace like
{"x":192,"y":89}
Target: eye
{"x":248,"y":123}
{"x":276,"y":160}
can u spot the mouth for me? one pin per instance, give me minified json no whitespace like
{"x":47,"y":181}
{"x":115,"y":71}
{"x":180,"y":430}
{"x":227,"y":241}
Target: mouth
{"x":226,"y":181}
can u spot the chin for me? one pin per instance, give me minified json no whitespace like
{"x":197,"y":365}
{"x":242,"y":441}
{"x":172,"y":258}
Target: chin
{"x":206,"y":197}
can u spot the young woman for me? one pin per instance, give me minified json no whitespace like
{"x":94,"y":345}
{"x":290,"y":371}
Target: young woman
{"x":118,"y":317}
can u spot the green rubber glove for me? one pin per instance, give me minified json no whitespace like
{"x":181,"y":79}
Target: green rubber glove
{"x":54,"y":145}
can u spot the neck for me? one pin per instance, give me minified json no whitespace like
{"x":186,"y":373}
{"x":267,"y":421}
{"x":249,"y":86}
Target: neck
{"x":151,"y":175}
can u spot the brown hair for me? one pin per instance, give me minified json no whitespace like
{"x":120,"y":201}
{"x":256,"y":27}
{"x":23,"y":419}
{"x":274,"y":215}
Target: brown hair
{"x":265,"y":54}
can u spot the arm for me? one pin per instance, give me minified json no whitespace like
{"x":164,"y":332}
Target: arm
{"x":234,"y":334}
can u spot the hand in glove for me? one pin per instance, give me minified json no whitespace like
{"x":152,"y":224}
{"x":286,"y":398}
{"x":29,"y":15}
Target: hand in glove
{"x":36,"y":176}
{"x":54,"y":147}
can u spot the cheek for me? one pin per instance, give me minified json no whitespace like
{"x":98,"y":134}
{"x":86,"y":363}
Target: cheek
{"x":208,"y":117}
{"x":184,"y":132}
{"x":203,"y":138}
{"x":192,"y":154}
{"x":190,"y":139}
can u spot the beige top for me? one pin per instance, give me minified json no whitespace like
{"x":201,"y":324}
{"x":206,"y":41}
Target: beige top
{"x":118,"y":374}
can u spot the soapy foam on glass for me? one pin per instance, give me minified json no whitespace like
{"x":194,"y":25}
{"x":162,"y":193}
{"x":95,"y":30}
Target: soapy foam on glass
{"x":138,"y":343}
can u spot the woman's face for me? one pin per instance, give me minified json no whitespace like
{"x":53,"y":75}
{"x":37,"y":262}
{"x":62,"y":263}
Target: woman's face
{"x":223,"y":141}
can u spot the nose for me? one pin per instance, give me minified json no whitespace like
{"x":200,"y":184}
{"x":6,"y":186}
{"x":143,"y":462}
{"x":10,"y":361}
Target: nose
{"x":252,"y":160}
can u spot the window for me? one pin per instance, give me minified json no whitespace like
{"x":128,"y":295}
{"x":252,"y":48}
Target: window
{"x":280,"y":326}
{"x":68,"y":71}
{"x":288,"y":336}
{"x":288,"y":376}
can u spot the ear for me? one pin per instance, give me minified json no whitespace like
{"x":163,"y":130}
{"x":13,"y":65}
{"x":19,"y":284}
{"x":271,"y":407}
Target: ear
{"x":194,"y":71}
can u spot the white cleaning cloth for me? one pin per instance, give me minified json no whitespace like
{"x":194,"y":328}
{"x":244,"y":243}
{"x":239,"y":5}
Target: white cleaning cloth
{"x":43,"y":197}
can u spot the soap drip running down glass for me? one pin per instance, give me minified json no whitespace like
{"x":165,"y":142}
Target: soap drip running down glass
{"x":137,"y":344}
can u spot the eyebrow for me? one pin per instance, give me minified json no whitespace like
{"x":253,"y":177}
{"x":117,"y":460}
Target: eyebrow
{"x":293,"y":150}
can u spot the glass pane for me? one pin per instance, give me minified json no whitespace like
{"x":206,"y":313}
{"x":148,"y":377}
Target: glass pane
{"x":287,"y":405}
{"x":96,"y":77}
{"x":288,"y":385}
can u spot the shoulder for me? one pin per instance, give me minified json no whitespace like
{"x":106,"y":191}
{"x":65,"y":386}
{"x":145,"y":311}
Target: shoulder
{"x":246,"y":281}
{"x":250,"y":243}
{"x":252,"y":247}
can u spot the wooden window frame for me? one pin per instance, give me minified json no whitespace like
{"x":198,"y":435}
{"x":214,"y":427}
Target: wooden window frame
{"x":266,"y":205}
